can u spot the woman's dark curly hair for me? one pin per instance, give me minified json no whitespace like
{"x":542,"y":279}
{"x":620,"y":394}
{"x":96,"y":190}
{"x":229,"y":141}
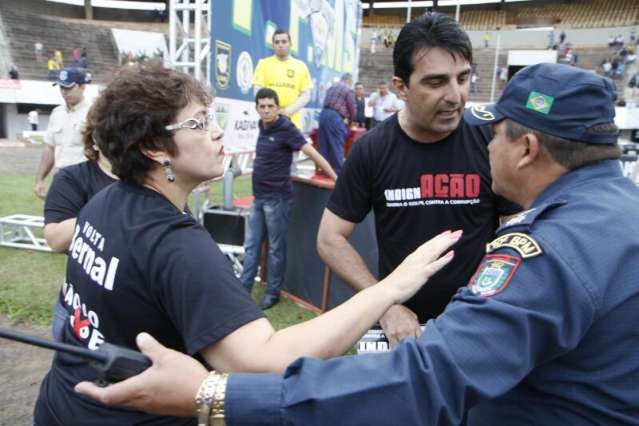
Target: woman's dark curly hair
{"x":88,"y":139}
{"x":131,"y":113}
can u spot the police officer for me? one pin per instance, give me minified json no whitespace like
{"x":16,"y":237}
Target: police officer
{"x":544,"y":333}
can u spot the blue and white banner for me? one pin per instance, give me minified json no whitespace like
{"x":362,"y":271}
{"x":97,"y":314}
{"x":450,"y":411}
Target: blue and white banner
{"x":324,"y":35}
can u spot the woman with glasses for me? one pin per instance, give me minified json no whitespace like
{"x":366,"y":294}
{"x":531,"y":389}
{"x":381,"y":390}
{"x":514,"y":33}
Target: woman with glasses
{"x":138,"y":263}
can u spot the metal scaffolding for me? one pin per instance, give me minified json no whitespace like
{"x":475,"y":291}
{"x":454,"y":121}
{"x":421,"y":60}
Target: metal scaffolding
{"x":23,"y":231}
{"x":189,"y":37}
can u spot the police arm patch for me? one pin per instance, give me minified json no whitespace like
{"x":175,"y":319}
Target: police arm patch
{"x":523,"y":244}
{"x":494,"y":274}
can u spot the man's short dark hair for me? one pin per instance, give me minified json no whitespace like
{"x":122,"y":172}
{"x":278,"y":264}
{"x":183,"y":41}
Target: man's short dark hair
{"x":359,"y":83}
{"x":266,"y":93}
{"x":568,"y":153}
{"x":280,"y":31}
{"x":431,"y":30}
{"x":131,"y":113}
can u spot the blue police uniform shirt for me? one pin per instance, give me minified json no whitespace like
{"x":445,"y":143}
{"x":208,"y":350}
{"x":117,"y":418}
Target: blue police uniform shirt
{"x":273,"y":158}
{"x":137,"y":263}
{"x":545,"y":333}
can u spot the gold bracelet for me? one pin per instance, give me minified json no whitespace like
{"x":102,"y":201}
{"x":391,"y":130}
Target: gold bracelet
{"x":216,"y":417}
{"x":204,"y":397}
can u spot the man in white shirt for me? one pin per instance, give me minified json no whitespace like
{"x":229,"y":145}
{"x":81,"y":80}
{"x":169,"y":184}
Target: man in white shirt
{"x":63,"y":140}
{"x":32,"y":117}
{"x":384,"y":104}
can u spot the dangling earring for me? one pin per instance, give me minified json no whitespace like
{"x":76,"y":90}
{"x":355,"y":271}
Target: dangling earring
{"x":167,"y":171}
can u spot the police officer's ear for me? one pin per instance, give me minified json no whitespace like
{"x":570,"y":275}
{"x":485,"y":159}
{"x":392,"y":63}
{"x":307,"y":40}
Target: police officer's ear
{"x":401,"y":87}
{"x":529,"y":150}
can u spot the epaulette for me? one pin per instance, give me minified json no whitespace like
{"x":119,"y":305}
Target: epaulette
{"x":525,"y":219}
{"x":514,"y":233}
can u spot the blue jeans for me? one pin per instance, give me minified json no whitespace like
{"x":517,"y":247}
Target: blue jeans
{"x":267,"y":218}
{"x":60,"y":318}
{"x":332,"y":134}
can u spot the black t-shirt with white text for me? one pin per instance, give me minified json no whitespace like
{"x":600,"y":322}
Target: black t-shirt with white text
{"x":136,"y":263}
{"x":418,"y":190}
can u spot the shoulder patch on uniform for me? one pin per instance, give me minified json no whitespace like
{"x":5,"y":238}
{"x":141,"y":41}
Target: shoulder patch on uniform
{"x":523,"y":244}
{"x":494,"y":274}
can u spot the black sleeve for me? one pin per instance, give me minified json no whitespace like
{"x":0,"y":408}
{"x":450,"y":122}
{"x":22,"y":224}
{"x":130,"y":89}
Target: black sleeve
{"x":352,"y":199}
{"x":65,"y":197}
{"x":295,"y":139}
{"x":197,"y":287}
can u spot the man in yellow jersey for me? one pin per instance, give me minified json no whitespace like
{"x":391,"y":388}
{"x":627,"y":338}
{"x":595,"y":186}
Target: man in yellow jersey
{"x":289,"y":77}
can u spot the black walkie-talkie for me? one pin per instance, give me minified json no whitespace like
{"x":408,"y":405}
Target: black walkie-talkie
{"x":114,"y":362}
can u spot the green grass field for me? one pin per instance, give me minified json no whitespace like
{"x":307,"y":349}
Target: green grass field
{"x":30,"y":280}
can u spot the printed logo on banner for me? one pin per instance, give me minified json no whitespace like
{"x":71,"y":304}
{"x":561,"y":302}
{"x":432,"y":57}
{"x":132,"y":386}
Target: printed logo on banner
{"x":222,"y":114}
{"x":321,"y":31}
{"x":223,"y":64}
{"x":244,"y":72}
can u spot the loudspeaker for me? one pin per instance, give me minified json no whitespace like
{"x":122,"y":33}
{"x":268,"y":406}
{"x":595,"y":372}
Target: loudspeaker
{"x":226,"y":226}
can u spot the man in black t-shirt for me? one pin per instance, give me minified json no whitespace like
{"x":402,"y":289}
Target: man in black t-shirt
{"x":422,"y":171}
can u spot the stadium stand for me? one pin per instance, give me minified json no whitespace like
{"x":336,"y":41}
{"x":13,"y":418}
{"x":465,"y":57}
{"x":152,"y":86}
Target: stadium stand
{"x":54,"y":33}
{"x":375,"y":67}
{"x":63,"y":26}
{"x":588,"y":24}
{"x":383,"y":21}
{"x":25,"y":23}
{"x":60,"y":26}
{"x":581,"y":14}
{"x":585,"y":14}
{"x":483,"y":19}
{"x":378,"y":66}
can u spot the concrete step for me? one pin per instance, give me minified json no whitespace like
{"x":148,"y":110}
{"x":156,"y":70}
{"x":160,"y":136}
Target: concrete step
{"x":27,"y":29}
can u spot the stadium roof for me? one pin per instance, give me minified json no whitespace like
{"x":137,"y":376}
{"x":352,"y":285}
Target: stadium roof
{"x":119,"y":4}
{"x":394,"y":4}
{"x":377,"y":4}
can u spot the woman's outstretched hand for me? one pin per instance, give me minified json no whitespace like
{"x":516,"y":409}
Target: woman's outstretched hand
{"x":420,"y":265}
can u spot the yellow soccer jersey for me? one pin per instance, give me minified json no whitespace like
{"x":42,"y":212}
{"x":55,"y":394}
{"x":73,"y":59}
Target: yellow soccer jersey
{"x":288,"y":78}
